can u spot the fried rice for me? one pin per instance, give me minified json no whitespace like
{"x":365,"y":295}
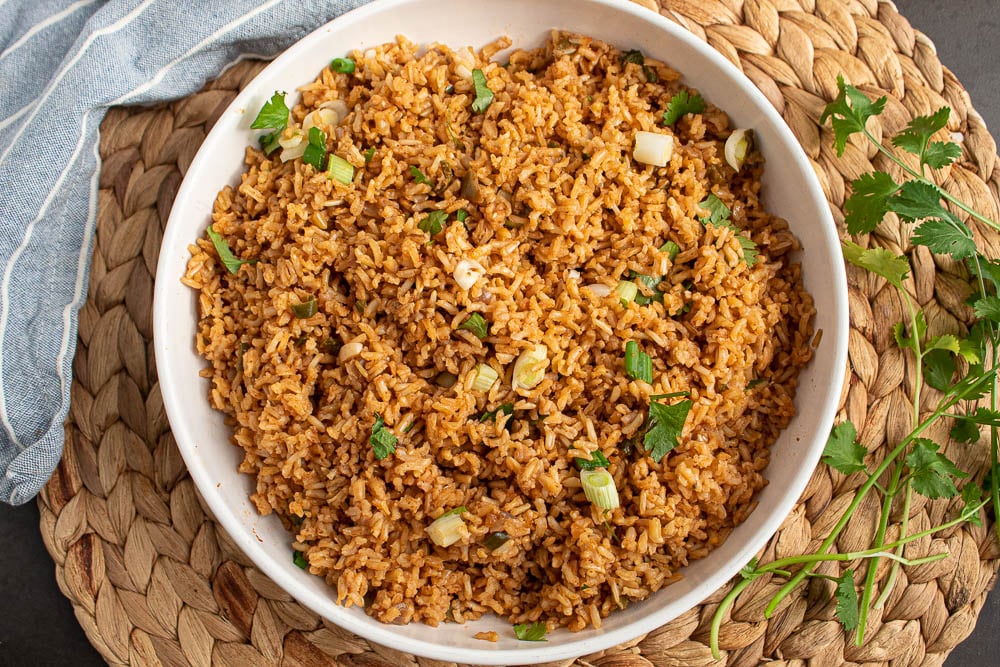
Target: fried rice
{"x":557,"y":212}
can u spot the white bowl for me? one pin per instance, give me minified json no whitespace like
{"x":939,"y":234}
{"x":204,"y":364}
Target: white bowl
{"x":791,"y":190}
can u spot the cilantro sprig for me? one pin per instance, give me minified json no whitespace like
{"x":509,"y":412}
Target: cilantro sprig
{"x":959,"y":365}
{"x":718,"y":216}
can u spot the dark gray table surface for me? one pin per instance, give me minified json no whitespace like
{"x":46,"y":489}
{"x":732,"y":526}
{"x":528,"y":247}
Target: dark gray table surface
{"x":37,"y":625}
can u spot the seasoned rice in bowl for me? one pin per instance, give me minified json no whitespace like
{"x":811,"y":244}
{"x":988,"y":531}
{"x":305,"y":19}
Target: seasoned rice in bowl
{"x":557,"y":213}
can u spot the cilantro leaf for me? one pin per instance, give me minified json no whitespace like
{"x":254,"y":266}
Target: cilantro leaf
{"x":973,"y":386}
{"x":869,"y":201}
{"x":914,"y":138}
{"x":229,"y":260}
{"x":842,"y":451}
{"x":682,"y":104}
{"x":939,"y":367}
{"x":931,"y":472}
{"x":879,"y":261}
{"x":899,"y":331}
{"x":382,"y":440}
{"x":433,"y":223}
{"x":917,"y":200}
{"x":849,"y":118}
{"x":718,"y":215}
{"x":987,"y":308}
{"x":534,"y":632}
{"x":634,"y":56}
{"x":718,"y":212}
{"x":484,"y":96}
{"x":964,"y":430}
{"x":418,"y":176}
{"x":943,"y":342}
{"x":945,"y":239}
{"x":983,"y":416}
{"x":273,"y":115}
{"x":847,"y":601}
{"x":970,"y":349}
{"x":316,"y":150}
{"x":972,"y":495}
{"x":749,"y":249}
{"x":650,"y":282}
{"x":477,"y":324}
{"x":597,"y":460}
{"x":941,"y":153}
{"x":666,"y":423}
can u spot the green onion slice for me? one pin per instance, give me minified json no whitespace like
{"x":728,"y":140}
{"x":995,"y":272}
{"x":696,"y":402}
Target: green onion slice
{"x":599,"y":487}
{"x":531,"y":632}
{"x":343,"y":65}
{"x":486,"y":377}
{"x":447,"y":528}
{"x":229,"y":260}
{"x":299,"y":559}
{"x":306,"y":309}
{"x":369,"y":154}
{"x":484,"y":96}
{"x":671,"y":249}
{"x":340,"y":169}
{"x":626,"y":291}
{"x":638,"y":364}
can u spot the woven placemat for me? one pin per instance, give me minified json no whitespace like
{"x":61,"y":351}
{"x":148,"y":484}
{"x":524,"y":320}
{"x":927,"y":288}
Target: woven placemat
{"x":154,"y":580}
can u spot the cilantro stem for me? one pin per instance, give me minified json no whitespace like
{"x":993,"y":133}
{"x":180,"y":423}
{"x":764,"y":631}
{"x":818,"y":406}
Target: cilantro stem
{"x":859,"y":496}
{"x":879,"y":543}
{"x":919,"y":176}
{"x":724,"y":606}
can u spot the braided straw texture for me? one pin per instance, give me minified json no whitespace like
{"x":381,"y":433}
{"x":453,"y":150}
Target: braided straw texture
{"x":154,"y":580}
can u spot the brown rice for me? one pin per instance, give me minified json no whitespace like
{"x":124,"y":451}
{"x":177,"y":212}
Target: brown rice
{"x":561,"y":205}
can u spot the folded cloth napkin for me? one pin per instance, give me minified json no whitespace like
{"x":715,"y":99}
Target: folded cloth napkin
{"x":62,"y":64}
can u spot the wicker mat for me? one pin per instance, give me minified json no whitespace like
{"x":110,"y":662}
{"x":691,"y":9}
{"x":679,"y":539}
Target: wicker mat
{"x":154,"y":580}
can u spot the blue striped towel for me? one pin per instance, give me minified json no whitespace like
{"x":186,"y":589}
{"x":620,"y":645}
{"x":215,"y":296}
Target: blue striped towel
{"x":62,"y":64}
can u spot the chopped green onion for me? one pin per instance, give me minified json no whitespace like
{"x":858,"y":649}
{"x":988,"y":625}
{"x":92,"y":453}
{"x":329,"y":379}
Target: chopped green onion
{"x":382,"y":440}
{"x":756,"y":382}
{"x":340,"y":169}
{"x":503,"y":408}
{"x":316,"y":150}
{"x":270,"y":142}
{"x":434,"y":222}
{"x":496,"y":540}
{"x":299,"y":559}
{"x":369,"y":154}
{"x":306,"y":309}
{"x":638,"y":364}
{"x":418,"y":176}
{"x":461,"y":215}
{"x":296,"y":519}
{"x":486,"y":377}
{"x":477,"y":324}
{"x":737,"y":147}
{"x":447,"y":528}
{"x":653,"y":148}
{"x":331,"y":345}
{"x":343,"y":65}
{"x":273,"y":115}
{"x":484,"y":96}
{"x":650,"y":282}
{"x":599,"y":487}
{"x":529,"y":369}
{"x":597,"y":460}
{"x":534,"y":632}
{"x":671,"y":248}
{"x":229,"y":260}
{"x":626,"y":291}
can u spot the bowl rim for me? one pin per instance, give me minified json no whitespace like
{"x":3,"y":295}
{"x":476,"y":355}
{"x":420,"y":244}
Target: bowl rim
{"x":225,"y":514}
